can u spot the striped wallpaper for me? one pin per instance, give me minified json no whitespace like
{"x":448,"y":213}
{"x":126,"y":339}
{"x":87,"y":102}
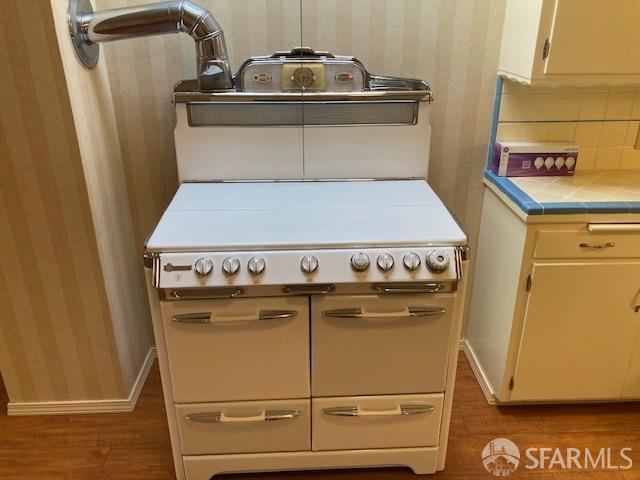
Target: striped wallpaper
{"x":86,"y":174}
{"x":56,"y":336}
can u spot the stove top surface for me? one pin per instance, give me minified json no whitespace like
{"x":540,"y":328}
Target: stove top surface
{"x":304,"y":215}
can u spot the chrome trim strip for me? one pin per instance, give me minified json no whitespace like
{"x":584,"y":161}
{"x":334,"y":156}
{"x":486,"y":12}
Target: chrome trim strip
{"x":156,"y":270}
{"x":321,"y":289}
{"x":403,"y":287}
{"x":197,"y":293}
{"x":369,"y":95}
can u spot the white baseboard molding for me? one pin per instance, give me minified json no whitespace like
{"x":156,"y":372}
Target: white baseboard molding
{"x":88,"y":406}
{"x":477,"y":371}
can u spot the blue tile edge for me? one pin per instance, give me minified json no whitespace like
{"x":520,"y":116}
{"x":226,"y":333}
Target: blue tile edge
{"x":529,"y":206}
{"x":564,"y":207}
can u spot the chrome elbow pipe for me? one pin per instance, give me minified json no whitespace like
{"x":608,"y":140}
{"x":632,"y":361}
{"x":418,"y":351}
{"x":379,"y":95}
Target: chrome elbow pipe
{"x":89,"y":28}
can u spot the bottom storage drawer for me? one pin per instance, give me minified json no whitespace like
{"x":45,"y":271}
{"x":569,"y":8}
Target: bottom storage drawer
{"x":390,"y":421}
{"x":244,"y":427}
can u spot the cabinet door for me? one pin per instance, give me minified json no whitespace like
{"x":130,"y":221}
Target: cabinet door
{"x":631,"y":387}
{"x":595,"y":37}
{"x":579,"y":331}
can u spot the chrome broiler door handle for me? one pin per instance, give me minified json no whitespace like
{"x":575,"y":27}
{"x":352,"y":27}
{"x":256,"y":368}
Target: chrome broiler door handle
{"x":359,"y":313}
{"x":264,"y":416}
{"x":356,"y":411}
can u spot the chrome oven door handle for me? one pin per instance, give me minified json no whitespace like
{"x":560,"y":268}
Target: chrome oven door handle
{"x":409,"y":287}
{"x":356,"y":411}
{"x":198,"y":317}
{"x":208,"y":317}
{"x":264,"y":416}
{"x":359,"y":313}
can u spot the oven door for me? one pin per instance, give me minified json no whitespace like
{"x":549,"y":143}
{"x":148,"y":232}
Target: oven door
{"x":380,"y":344}
{"x":238,"y":349}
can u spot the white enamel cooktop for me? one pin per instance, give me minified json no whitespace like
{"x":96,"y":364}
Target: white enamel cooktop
{"x":304,"y":215}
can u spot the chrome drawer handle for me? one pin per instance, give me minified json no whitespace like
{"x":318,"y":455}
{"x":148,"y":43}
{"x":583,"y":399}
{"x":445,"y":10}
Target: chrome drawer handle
{"x":206,"y":292}
{"x":265,"y":416}
{"x":409,"y":312}
{"x":208,"y":317}
{"x":356,"y":411}
{"x":409,"y":287}
{"x":597,"y":245}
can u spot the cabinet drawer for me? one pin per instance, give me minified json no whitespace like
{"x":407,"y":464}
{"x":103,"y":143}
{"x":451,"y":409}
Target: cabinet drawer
{"x":376,"y":422}
{"x":616,"y":241}
{"x":244,"y":427}
{"x":379,"y":344}
{"x":240,"y":349}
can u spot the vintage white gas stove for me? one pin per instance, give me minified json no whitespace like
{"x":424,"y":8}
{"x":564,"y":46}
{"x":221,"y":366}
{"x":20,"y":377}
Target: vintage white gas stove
{"x":306,"y":284}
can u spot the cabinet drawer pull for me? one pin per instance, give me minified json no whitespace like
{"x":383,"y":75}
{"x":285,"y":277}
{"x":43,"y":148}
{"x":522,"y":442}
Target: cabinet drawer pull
{"x":356,"y":411}
{"x":220,"y":417}
{"x":409,"y":312}
{"x":208,"y":317}
{"x":409,"y":287}
{"x":597,"y":245}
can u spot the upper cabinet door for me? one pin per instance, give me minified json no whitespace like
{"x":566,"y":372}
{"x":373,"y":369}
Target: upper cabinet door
{"x":571,"y":42}
{"x":580,"y":330}
{"x":595,"y":37}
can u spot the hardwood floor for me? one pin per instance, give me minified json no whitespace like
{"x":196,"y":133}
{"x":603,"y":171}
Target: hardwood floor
{"x":135,"y":446}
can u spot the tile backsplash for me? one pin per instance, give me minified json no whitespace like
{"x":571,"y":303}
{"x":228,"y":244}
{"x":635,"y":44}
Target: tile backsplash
{"x":603,"y":121}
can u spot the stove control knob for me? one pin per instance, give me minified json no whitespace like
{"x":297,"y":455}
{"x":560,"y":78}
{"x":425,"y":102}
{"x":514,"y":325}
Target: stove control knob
{"x":360,"y":261}
{"x":411,"y":261}
{"x":230,"y":266}
{"x":256,"y":265}
{"x":203,"y":267}
{"x":309,"y":264}
{"x":385,"y":262}
{"x":438,"y":261}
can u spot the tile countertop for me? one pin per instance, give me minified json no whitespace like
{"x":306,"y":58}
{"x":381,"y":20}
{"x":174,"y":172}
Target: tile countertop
{"x":589,"y":191}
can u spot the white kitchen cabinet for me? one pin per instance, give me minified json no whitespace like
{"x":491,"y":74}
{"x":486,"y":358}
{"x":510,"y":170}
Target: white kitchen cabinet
{"x":576,"y":42}
{"x":553,"y":314}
